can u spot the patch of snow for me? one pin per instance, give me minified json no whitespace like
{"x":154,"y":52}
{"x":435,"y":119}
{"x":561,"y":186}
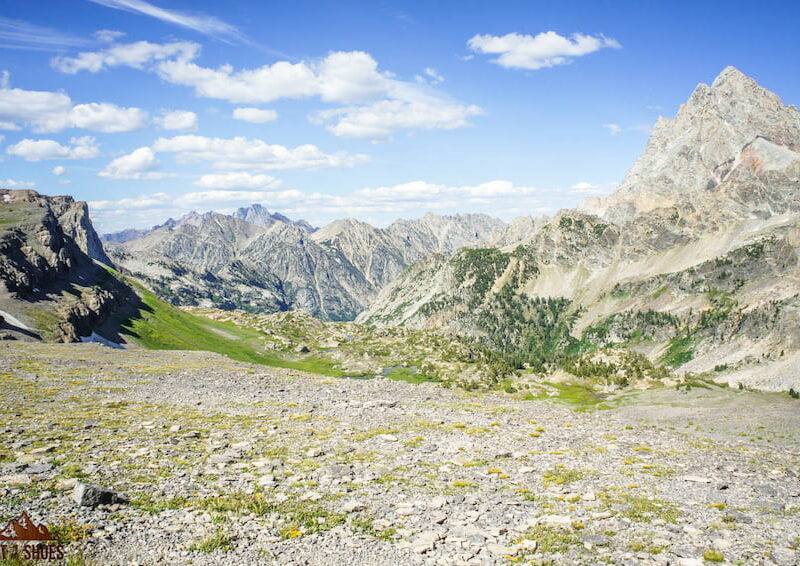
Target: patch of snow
{"x":14,"y":321}
{"x":94,"y":337}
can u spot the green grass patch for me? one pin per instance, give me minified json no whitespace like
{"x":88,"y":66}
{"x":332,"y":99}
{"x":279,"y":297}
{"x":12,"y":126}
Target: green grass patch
{"x":577,"y":397}
{"x":560,"y":476}
{"x":643,"y":509}
{"x":218,"y":541}
{"x":713,"y":556}
{"x":679,"y":351}
{"x":552,"y":539}
{"x":410,"y":376}
{"x":160,"y":326}
{"x":299,"y":517}
{"x":153,"y":505}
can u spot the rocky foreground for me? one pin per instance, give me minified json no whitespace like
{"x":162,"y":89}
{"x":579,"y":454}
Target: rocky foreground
{"x":221,"y":462}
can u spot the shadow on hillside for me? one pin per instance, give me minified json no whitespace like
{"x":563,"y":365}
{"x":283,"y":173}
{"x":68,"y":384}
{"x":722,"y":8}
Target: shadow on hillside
{"x":5,"y":325}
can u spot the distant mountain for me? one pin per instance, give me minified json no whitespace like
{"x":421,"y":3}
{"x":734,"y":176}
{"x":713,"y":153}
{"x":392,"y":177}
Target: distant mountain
{"x":693,"y":260}
{"x":253,"y":214}
{"x":257,"y":214}
{"x":133,"y":233}
{"x":264,"y":262}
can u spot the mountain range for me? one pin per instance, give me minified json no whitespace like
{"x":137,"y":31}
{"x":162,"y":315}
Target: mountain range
{"x":263,"y":262}
{"x":692,"y":261}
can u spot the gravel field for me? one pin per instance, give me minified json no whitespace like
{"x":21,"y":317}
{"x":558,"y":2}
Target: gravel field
{"x":220,"y":462}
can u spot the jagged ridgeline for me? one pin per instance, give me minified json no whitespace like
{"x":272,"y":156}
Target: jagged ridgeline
{"x":691,"y":264}
{"x":262,"y":262}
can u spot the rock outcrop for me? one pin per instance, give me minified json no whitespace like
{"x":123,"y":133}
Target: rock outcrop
{"x":53,"y":268}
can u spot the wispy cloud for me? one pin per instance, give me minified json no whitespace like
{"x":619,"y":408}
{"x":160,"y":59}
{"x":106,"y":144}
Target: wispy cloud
{"x":201,"y":23}
{"x":18,"y":34}
{"x":616,"y":129}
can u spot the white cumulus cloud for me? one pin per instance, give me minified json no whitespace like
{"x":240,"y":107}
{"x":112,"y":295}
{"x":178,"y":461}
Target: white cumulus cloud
{"x":46,"y":111}
{"x":41,"y":150}
{"x":238,"y":180}
{"x":141,"y":164}
{"x":14,"y":184}
{"x":586,"y":188}
{"x":254,"y":115}
{"x":344,"y":77}
{"x":107,"y":118}
{"x":59,"y":170}
{"x":137,"y":55}
{"x":177,"y":120}
{"x":532,"y":52}
{"x":374,"y":100}
{"x":243,"y":153}
{"x":379,"y":120}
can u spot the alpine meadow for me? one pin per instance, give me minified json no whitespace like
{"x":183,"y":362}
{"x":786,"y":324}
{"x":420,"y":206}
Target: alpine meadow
{"x":354,"y":284}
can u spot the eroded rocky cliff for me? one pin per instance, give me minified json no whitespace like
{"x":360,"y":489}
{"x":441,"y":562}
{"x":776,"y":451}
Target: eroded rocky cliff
{"x":55,"y":280}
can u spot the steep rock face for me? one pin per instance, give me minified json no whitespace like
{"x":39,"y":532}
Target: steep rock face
{"x":264,"y":262}
{"x":693,"y":260}
{"x":695,"y":151}
{"x":42,"y":238}
{"x":49,"y":275}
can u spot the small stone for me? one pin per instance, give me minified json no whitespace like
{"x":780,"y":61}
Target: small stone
{"x":266,"y":481}
{"x":64,"y":484}
{"x":425,"y":542}
{"x":696,"y":479}
{"x":555,"y":521}
{"x":221,"y":459}
{"x":92,"y":495}
{"x":311,"y":496}
{"x":353,"y":506}
{"x":43,"y":449}
{"x":501,"y":549}
{"x":15,"y":479}
{"x":590,"y":541}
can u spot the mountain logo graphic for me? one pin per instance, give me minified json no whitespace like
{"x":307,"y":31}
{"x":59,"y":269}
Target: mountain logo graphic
{"x":24,"y":528}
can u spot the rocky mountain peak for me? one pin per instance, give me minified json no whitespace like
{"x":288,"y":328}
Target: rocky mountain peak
{"x":731,"y":75}
{"x":259,"y":215}
{"x":685,"y":155}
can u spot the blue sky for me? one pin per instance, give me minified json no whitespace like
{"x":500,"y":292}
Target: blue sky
{"x":378,"y":110}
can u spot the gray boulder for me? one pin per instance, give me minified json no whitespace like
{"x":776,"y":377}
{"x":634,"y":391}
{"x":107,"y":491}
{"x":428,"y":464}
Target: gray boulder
{"x":93,"y":495}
